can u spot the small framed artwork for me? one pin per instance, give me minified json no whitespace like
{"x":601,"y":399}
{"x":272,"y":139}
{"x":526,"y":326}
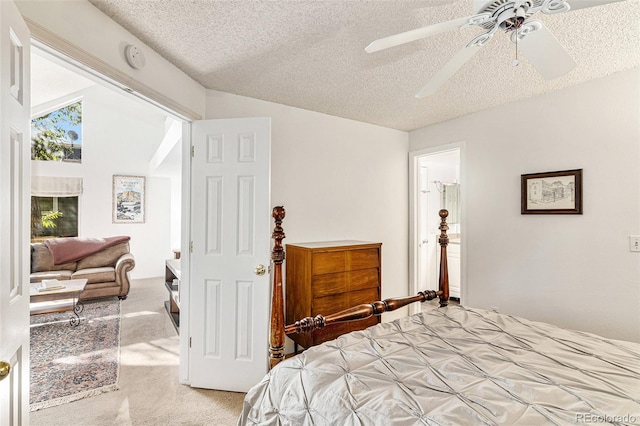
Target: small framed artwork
{"x":552,"y":192}
{"x":128,"y":199}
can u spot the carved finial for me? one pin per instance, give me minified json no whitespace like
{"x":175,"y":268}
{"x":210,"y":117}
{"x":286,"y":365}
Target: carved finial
{"x":278,"y":214}
{"x":444,"y":239}
{"x":277,"y":255}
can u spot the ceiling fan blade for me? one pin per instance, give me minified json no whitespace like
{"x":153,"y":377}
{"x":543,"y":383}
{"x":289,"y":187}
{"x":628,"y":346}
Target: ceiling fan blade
{"x":417,"y":34}
{"x":448,"y":70}
{"x":543,"y":50}
{"x":582,"y":4}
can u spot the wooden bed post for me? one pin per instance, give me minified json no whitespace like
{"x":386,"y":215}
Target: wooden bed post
{"x":276,"y":331}
{"x":443,"y":281}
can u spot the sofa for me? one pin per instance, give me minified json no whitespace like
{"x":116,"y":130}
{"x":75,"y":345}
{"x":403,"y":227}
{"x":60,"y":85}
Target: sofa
{"x":104,"y":262}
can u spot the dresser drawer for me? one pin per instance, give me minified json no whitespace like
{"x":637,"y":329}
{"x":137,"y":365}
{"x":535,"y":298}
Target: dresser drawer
{"x":350,"y":260}
{"x":342,"y":282}
{"x":363,"y":259}
{"x":337,"y":302}
{"x":328,"y":262}
{"x":329,"y":304}
{"x":368,"y":295}
{"x":329,"y":284}
{"x":360,"y":280}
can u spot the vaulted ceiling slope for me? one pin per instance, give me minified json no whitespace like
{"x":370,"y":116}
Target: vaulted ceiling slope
{"x":310,"y":53}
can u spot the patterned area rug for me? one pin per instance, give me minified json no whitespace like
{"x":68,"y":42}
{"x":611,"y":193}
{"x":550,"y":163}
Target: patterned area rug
{"x":70,"y":363}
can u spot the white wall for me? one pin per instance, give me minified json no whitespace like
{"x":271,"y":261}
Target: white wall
{"x":338,"y":179}
{"x":573,"y":271}
{"x":120,"y":136}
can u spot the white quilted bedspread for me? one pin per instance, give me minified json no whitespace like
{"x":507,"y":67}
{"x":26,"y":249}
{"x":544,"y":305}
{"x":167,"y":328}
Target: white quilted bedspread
{"x":453,"y":366}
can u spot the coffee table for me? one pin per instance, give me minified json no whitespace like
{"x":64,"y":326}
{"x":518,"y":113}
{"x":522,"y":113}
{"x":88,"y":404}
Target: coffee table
{"x":71,"y":291}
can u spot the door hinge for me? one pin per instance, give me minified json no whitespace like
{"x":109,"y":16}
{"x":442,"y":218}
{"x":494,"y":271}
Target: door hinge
{"x":191,"y":247}
{"x":189,"y":341}
{"x":193,"y":150}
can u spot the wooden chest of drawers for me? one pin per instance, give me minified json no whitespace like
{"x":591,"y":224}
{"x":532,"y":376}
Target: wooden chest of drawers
{"x":327,"y":277}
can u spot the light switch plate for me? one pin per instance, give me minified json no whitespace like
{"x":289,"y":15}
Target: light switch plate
{"x":634,"y":242}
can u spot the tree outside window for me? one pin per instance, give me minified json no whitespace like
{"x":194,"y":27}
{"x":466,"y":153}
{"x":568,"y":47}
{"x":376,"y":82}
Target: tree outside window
{"x":53,"y":217}
{"x":57,"y":136}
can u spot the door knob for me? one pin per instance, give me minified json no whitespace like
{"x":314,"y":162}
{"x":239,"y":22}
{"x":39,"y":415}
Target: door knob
{"x":260,"y":270}
{"x":5,"y":369}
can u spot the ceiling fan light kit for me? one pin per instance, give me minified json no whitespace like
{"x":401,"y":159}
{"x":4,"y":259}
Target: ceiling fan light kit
{"x":536,"y":42}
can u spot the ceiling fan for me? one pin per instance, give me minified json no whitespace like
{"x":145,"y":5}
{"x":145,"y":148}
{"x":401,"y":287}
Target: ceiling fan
{"x":532,"y":38}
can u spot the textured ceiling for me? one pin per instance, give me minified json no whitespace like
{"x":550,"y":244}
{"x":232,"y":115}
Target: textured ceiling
{"x":310,"y":54}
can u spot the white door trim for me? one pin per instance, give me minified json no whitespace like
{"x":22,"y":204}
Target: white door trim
{"x":48,"y":40}
{"x":185,"y":256}
{"x":414,"y":219}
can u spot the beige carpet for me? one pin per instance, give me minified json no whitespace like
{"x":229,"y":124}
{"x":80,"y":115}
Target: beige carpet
{"x":149,"y":391}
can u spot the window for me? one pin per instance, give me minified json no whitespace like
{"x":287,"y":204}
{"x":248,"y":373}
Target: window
{"x":54,"y":206}
{"x":53,"y":217}
{"x":57,"y":136}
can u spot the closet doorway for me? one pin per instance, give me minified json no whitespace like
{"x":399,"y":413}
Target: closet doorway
{"x":436,"y":183}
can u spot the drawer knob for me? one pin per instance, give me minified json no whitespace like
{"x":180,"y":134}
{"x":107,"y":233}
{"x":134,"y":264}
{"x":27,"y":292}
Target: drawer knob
{"x":260,"y":270}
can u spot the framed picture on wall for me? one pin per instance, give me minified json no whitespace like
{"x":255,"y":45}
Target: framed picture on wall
{"x":128,"y":199}
{"x":552,"y":192}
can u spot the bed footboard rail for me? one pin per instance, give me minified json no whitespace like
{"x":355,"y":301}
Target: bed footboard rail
{"x":359,"y":312}
{"x":278,"y":330}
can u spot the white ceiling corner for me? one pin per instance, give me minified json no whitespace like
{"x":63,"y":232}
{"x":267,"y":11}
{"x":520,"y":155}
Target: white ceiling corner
{"x":51,"y":81}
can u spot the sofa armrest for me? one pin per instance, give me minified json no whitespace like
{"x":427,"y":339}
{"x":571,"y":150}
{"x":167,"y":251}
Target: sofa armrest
{"x":125,"y":263}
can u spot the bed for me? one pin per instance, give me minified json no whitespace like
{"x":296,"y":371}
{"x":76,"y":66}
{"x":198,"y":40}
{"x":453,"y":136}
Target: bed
{"x":449,"y":365}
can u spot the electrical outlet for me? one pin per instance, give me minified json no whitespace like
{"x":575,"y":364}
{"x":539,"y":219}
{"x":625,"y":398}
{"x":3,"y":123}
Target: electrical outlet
{"x":634,"y":242}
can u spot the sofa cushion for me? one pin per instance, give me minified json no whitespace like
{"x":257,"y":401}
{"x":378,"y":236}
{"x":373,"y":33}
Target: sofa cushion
{"x":36,"y":277}
{"x":41,"y":260}
{"x":95,"y":275}
{"x":106,"y":257}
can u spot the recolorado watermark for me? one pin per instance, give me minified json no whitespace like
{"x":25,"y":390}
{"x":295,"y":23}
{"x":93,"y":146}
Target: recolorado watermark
{"x":605,"y":418}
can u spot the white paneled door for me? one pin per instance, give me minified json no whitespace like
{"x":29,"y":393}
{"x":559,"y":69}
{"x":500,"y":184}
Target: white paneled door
{"x":230,"y":231}
{"x":14,"y":216}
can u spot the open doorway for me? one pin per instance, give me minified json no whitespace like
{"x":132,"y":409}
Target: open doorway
{"x":436,"y":183}
{"x":119,"y":135}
